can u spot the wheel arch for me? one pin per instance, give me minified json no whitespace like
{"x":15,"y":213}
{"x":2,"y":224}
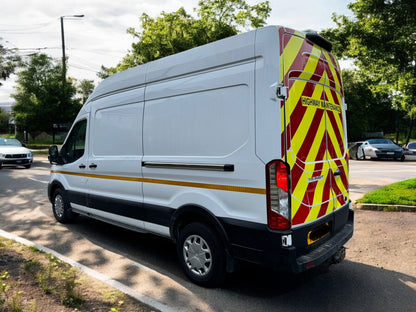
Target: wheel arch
{"x":52,"y":187}
{"x":193,"y":213}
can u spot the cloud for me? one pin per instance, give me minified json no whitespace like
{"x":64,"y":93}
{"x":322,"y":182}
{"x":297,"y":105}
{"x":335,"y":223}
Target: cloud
{"x":100,"y":38}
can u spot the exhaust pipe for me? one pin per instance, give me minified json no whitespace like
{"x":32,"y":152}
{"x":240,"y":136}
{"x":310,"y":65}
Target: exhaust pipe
{"x":339,"y":256}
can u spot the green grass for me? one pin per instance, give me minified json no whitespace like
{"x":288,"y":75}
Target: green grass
{"x":401,"y":193}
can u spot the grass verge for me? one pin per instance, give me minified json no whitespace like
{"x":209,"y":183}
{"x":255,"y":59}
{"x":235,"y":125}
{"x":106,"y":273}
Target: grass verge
{"x":34,"y":281}
{"x":400,"y":193}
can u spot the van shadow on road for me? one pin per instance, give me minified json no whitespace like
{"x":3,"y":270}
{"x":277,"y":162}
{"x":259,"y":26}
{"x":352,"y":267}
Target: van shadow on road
{"x":349,"y":286}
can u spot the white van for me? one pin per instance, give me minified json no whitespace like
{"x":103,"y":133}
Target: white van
{"x":236,"y":150}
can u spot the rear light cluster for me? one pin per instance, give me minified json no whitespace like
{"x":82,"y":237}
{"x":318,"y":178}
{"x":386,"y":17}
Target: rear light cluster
{"x":278,"y":211}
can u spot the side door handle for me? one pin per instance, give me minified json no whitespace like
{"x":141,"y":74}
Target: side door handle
{"x":93,"y":166}
{"x":82,"y":166}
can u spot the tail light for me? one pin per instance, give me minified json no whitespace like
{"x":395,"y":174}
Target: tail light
{"x":278,"y":210}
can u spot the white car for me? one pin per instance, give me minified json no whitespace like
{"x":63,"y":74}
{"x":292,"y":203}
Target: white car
{"x":380,"y":149}
{"x":12,"y":152}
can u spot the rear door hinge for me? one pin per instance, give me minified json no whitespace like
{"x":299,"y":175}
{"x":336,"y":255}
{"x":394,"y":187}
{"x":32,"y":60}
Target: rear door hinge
{"x":281,"y":92}
{"x":278,"y":92}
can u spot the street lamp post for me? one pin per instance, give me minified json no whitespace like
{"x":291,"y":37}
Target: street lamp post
{"x":63,"y":52}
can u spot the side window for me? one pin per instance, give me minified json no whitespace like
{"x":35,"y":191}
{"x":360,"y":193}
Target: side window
{"x":74,"y":146}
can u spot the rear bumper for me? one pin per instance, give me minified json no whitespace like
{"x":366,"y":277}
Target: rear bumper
{"x":258,"y":244}
{"x":325,"y":252}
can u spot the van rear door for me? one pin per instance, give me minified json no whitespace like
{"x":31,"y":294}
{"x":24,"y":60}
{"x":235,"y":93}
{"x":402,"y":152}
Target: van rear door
{"x":313,"y":130}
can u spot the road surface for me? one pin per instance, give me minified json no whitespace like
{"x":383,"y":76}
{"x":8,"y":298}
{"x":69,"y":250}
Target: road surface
{"x":379,"y":273}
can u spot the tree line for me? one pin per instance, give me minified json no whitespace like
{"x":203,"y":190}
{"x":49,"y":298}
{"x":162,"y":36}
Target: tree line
{"x":380,"y":39}
{"x":41,"y":97}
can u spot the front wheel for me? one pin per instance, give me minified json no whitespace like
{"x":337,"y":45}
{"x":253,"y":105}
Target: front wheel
{"x":61,"y":207}
{"x":201,"y":255}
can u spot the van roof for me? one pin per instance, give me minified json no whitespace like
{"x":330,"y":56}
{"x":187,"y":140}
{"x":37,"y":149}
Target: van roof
{"x":219,"y":53}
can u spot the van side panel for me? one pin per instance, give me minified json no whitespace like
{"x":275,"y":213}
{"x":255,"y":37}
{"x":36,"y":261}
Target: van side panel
{"x":194,"y":123}
{"x":114,"y":161}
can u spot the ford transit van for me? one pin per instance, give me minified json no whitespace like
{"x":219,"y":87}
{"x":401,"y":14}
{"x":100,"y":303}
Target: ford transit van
{"x":235,"y":150}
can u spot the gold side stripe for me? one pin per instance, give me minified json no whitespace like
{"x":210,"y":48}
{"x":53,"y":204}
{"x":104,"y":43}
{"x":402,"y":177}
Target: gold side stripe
{"x":99,"y":176}
{"x":229,"y":188}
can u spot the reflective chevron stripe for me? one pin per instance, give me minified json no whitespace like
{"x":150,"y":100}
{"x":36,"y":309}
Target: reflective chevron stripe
{"x":314,"y":128}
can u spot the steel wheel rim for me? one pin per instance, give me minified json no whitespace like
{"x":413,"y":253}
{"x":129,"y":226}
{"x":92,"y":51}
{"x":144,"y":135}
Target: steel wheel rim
{"x":197,"y":255}
{"x":59,"y":206}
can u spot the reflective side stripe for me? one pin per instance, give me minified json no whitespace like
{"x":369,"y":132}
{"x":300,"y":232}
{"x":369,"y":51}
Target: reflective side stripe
{"x":228,"y":188}
{"x":99,"y":176}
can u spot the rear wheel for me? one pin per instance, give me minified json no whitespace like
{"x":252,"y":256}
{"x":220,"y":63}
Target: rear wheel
{"x":201,"y":255}
{"x":61,"y":207}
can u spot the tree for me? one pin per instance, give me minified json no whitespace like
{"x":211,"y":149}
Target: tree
{"x":4,"y":121}
{"x":178,"y":31}
{"x":367,"y":111}
{"x":381,"y":38}
{"x":8,"y":62}
{"x":84,"y":89}
{"x":233,"y":13}
{"x":39,"y":96}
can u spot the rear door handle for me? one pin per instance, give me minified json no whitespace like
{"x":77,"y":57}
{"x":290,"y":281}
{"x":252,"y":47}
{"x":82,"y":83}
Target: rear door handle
{"x":82,"y":166}
{"x":337,"y":173}
{"x":93,"y":166}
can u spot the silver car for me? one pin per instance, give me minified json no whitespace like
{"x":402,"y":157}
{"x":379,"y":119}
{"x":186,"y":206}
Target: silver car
{"x":380,"y":149}
{"x":12,"y":152}
{"x":410,"y":151}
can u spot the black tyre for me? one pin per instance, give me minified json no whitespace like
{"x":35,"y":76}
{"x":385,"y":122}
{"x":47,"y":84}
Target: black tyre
{"x":28,"y":166}
{"x":201,"y":255}
{"x":61,"y":207}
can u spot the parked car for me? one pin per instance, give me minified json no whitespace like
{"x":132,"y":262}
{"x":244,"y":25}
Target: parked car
{"x":380,"y":148}
{"x":12,"y":152}
{"x":410,"y":151}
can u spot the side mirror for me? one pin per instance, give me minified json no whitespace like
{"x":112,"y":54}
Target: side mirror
{"x":53,"y":154}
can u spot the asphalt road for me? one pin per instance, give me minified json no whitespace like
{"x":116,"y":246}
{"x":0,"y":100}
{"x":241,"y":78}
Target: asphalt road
{"x":367,"y":175}
{"x":148,"y":263}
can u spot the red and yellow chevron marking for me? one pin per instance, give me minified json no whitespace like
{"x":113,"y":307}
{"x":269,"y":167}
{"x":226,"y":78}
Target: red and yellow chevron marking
{"x":314,"y":128}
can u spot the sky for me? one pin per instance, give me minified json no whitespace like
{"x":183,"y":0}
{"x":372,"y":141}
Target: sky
{"x":100,"y":38}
